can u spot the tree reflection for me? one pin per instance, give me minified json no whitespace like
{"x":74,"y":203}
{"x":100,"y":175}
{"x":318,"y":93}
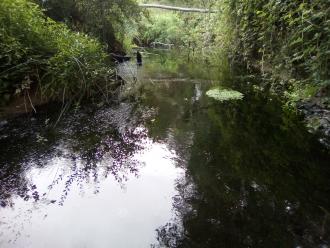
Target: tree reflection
{"x":261,"y":180}
{"x":94,"y":144}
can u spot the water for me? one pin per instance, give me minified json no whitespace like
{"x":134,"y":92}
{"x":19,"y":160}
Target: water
{"x":166,"y":167}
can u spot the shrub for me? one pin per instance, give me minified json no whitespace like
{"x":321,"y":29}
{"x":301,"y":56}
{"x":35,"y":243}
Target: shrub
{"x":290,"y":36}
{"x":36,"y":49}
{"x":161,"y":27}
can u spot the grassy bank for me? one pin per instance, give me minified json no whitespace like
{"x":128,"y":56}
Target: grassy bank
{"x":37,"y":52}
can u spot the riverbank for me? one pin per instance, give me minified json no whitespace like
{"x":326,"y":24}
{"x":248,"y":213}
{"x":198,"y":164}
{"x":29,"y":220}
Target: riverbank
{"x":317,"y":113}
{"x":312,"y":101}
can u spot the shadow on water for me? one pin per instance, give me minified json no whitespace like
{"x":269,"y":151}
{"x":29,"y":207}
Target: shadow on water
{"x":242,"y":173}
{"x":260,"y":180}
{"x":255,"y":176}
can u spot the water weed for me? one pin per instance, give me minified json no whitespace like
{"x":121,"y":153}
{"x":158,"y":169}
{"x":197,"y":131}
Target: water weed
{"x":221,"y":95}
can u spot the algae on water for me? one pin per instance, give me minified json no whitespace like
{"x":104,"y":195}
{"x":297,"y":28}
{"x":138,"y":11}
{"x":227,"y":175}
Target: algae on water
{"x":220,"y":94}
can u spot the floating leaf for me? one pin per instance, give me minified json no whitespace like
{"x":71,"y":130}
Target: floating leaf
{"x":220,"y":94}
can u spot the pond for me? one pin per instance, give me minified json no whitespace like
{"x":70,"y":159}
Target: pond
{"x":168,"y":166}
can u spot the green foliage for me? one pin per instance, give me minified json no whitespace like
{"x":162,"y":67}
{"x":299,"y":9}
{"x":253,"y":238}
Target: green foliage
{"x":300,"y":92}
{"x":36,"y":49}
{"x":165,"y":27}
{"x":109,"y":21}
{"x":286,"y":37}
{"x":288,"y":41}
{"x":194,"y":31}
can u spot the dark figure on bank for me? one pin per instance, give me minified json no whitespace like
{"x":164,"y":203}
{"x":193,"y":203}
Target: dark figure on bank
{"x":138,"y":58}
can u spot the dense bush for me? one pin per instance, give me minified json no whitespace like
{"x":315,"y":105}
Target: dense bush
{"x":290,"y":37}
{"x":159,"y":26}
{"x":193,"y":31}
{"x":109,"y":21}
{"x":35,"y":49}
{"x":197,"y":32}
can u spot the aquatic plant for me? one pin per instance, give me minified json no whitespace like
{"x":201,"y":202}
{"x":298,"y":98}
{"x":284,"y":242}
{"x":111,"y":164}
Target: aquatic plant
{"x":220,"y":94}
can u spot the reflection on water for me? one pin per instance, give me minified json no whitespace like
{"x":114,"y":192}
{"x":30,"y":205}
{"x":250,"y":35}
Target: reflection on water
{"x":96,"y":180}
{"x":96,"y":212}
{"x":176,"y":169}
{"x":82,"y":143}
{"x":255,"y":177}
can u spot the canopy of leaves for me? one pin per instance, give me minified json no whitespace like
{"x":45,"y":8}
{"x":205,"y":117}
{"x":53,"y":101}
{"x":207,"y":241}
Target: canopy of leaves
{"x":110,"y":21}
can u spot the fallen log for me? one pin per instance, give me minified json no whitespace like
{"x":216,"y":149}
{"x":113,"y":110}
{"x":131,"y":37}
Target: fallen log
{"x":182,"y":9}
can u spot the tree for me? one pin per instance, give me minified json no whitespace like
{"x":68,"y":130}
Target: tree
{"x":104,"y":19}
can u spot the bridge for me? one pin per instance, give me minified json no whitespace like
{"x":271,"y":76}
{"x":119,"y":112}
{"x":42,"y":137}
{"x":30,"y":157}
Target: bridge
{"x":174,"y":8}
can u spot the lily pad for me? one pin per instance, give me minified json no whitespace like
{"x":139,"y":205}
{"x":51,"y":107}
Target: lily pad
{"x":220,"y":94}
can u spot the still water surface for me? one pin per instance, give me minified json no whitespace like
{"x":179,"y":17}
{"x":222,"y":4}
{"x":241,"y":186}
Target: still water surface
{"x":167,"y":167}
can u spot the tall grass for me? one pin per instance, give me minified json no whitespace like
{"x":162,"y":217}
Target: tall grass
{"x":35,"y":50}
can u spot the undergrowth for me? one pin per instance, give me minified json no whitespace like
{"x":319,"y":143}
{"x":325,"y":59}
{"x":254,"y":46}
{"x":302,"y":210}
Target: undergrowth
{"x":37,"y":52}
{"x":290,"y":39}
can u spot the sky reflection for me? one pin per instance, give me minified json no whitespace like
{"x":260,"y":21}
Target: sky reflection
{"x":87,"y":211}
